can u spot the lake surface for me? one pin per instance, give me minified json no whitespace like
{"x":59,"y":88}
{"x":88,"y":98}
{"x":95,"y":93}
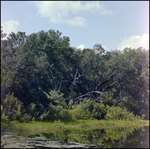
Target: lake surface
{"x":112,"y":137}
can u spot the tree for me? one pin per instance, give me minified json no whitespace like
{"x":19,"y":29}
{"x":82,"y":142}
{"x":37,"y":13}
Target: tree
{"x":35,"y":65}
{"x":2,"y":34}
{"x":98,"y":48}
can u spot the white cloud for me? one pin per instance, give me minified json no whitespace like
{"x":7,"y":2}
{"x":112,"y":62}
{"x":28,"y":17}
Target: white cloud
{"x":10,"y":26}
{"x":104,"y":47}
{"x":135,"y":42}
{"x":59,"y":11}
{"x":77,"y":21}
{"x":82,"y":46}
{"x":95,"y":6}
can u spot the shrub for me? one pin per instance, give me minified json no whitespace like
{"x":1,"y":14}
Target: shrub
{"x":12,"y":108}
{"x":26,"y":118}
{"x":57,"y":107}
{"x":119,"y":113}
{"x":88,"y":109}
{"x":58,"y":113}
{"x":56,"y":98}
{"x":4,"y":126}
{"x":65,"y":115}
{"x":33,"y":110}
{"x":107,"y":99}
{"x":4,"y":119}
{"x":43,"y":116}
{"x":14,"y":122}
{"x":79,"y":112}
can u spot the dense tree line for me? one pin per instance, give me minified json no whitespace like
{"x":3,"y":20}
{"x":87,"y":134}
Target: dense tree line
{"x":46,"y":77}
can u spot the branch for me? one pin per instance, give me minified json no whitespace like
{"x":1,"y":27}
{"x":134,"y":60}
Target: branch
{"x":75,"y":79}
{"x":61,"y":84}
{"x":101,"y":83}
{"x":51,"y":71}
{"x":87,"y":96}
{"x":109,"y":86}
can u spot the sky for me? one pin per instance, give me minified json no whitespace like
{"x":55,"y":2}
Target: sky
{"x":113,"y":24}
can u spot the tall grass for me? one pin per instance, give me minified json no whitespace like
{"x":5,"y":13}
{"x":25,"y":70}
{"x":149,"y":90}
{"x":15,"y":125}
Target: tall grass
{"x":74,"y":125}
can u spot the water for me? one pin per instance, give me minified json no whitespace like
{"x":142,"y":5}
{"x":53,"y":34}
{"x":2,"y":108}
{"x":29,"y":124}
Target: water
{"x":114,"y":137}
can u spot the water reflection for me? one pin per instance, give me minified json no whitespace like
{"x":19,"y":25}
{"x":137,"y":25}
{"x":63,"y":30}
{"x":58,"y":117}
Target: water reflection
{"x":115,"y":137}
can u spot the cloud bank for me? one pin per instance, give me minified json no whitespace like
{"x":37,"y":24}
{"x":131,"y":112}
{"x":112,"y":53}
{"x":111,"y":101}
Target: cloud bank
{"x":135,"y":42}
{"x":59,"y":11}
{"x":10,"y":26}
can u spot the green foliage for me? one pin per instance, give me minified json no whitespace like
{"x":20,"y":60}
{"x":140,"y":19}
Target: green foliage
{"x":38,"y":72}
{"x":57,"y":113}
{"x":107,"y":99}
{"x":99,"y":48}
{"x":119,"y":113}
{"x":43,"y":116}
{"x":14,"y":122}
{"x":26,"y":118}
{"x":88,"y":109}
{"x":64,"y":115}
{"x":12,"y":108}
{"x":4,"y":119}
{"x":2,"y":34}
{"x":56,"y":98}
{"x":32,"y":110}
{"x":57,"y":107}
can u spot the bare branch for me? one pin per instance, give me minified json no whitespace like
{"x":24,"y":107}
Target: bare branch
{"x":75,"y":79}
{"x":60,"y":86}
{"x":51,"y":71}
{"x":76,"y":73}
{"x":87,"y":96}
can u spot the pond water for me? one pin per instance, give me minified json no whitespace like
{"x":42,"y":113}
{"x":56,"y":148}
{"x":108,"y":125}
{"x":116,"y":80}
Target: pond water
{"x":114,"y":137}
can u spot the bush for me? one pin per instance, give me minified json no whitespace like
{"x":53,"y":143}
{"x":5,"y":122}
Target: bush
{"x":42,"y":116}
{"x":58,"y":113}
{"x":26,"y":118}
{"x":4,"y":119}
{"x":56,"y":98}
{"x":65,"y":115}
{"x":119,"y":113}
{"x":14,"y":122}
{"x":33,"y":110}
{"x":12,"y":108}
{"x":88,"y":109}
{"x":107,"y":99}
{"x":4,"y":126}
{"x":57,"y":109}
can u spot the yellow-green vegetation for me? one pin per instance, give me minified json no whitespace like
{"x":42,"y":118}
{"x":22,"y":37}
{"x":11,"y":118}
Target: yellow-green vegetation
{"x":74,"y":125}
{"x":87,"y":114}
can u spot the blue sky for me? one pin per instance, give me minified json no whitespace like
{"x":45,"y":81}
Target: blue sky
{"x":113,"y":24}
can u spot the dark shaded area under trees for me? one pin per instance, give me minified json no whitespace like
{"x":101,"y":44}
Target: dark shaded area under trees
{"x":42,"y":77}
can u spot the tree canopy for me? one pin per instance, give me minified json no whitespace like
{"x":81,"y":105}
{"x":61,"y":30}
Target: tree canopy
{"x":42,"y":70}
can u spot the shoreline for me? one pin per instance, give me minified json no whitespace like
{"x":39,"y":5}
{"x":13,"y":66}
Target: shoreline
{"x":14,"y":141}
